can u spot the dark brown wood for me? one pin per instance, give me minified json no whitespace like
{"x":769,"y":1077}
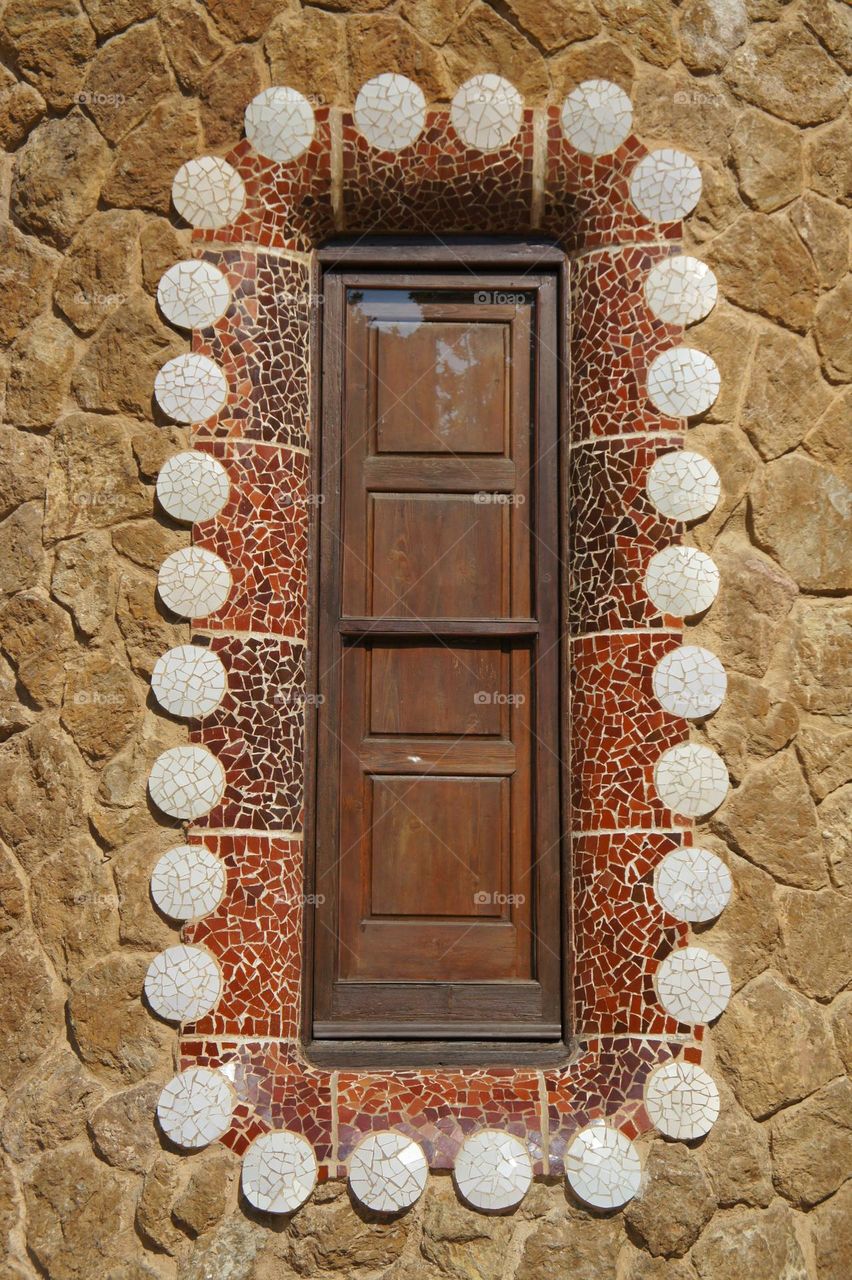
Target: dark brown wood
{"x":437,"y":816}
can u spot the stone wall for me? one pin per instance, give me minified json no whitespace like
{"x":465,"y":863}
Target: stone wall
{"x":101,"y":104}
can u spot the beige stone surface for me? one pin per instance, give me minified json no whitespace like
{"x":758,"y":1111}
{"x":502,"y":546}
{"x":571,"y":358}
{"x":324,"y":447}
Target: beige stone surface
{"x":786,"y":71}
{"x":784,"y":393}
{"x":676,"y":1203}
{"x":762,"y":1245}
{"x":831,"y":1231}
{"x":40,"y":364}
{"x":113,"y":1032}
{"x":768,"y":160}
{"x":21,"y":106}
{"x":58,"y":176}
{"x":783,"y":839}
{"x":762,"y":266}
{"x":101,"y":102}
{"x":774,"y":1045}
{"x":555,"y":23}
{"x":574,"y":1245}
{"x":97,"y":273}
{"x":812,"y":1144}
{"x":25,"y":281}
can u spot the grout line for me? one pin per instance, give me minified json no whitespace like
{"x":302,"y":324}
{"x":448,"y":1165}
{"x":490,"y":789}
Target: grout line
{"x":245,"y":831}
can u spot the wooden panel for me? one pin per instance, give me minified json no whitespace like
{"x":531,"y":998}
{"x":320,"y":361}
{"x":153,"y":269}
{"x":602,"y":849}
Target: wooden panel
{"x":438,"y":556}
{"x":441,"y":387}
{"x":435,"y":688}
{"x":437,"y":823}
{"x":437,"y":847}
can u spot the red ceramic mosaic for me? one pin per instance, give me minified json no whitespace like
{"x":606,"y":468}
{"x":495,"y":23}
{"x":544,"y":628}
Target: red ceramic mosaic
{"x":620,"y":932}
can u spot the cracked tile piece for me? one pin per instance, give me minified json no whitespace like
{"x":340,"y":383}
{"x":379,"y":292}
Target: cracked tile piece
{"x":693,"y":884}
{"x":665,"y":185}
{"x":387,"y":1172}
{"x":681,"y":290}
{"x":390,"y":112}
{"x":693,"y":985}
{"x":190,"y":388}
{"x":596,"y":117}
{"x":189,"y":681}
{"x":493,"y":1170}
{"x":196,"y":1106}
{"x":682,"y":1100}
{"x":682,"y":581}
{"x":193,"y":294}
{"x":186,"y":782}
{"x":691,"y":779}
{"x":193,"y":486}
{"x":602,"y":1166}
{"x":690,"y":682}
{"x":683,"y":485}
{"x":486,"y":112}
{"x":280,"y":123}
{"x":279,"y":1172}
{"x":188,"y":882}
{"x":208,"y":193}
{"x":183,"y":983}
{"x":683,"y":382}
{"x":193,"y":582}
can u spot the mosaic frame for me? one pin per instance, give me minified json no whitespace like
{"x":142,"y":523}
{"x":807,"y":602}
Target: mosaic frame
{"x":258,"y":221}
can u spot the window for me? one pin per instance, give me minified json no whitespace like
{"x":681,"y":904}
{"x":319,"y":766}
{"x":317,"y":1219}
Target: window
{"x":437,"y":654}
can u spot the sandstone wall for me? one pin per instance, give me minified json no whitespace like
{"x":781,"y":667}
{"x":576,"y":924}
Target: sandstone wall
{"x":102,"y":101}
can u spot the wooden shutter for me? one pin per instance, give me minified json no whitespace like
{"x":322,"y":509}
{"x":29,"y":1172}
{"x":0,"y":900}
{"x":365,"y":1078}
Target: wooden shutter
{"x":438,"y":777}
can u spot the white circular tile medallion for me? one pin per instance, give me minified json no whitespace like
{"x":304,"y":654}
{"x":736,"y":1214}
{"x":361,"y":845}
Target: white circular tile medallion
{"x":186,"y":782}
{"x":190,"y":388}
{"x":682,"y":1100}
{"x":693,"y":884}
{"x":208,"y":193}
{"x":193,"y":294}
{"x":602,"y":1166}
{"x":193,"y":486}
{"x":681,"y":581}
{"x":195,"y":1107}
{"x":681,"y":290}
{"x":387,"y":1171}
{"x":280,"y":123}
{"x":486,"y":112}
{"x":183,"y":983}
{"x":596,"y":117}
{"x":188,"y":882}
{"x":493,"y":1171}
{"x":691,"y":779}
{"x":189,"y":680}
{"x":665,"y":185}
{"x":690,"y":682}
{"x":279,"y":1172}
{"x":693,"y":985}
{"x":193,"y":582}
{"x":390,"y":111}
{"x":683,"y":485}
{"x":683,"y":382}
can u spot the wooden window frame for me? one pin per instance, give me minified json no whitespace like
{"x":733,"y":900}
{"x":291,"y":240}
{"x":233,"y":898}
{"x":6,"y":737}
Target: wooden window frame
{"x":515,"y":263}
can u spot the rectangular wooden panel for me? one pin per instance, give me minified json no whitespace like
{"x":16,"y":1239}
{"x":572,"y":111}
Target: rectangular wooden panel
{"x":438,"y":556}
{"x":435,"y":688}
{"x":442,"y":387}
{"x":437,"y":847}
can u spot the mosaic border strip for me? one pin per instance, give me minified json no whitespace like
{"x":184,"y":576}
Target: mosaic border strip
{"x":642,"y":994}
